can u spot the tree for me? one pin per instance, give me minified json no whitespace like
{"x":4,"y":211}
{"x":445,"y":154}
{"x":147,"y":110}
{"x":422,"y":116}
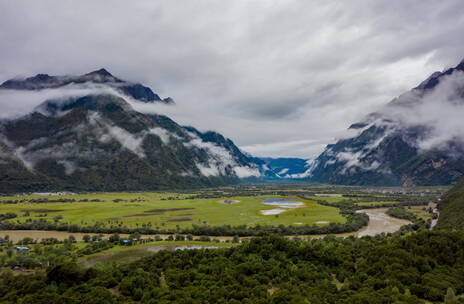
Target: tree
{"x":450,"y":297}
{"x":86,"y":238}
{"x":114,"y":238}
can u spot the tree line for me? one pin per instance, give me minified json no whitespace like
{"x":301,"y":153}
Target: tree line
{"x":422,"y":267}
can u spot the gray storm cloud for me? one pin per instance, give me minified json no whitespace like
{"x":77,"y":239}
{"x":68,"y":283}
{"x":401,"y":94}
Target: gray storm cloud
{"x":263,"y":73}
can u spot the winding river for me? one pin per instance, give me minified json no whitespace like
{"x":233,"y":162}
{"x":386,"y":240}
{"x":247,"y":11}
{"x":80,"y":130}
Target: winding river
{"x":379,"y":222}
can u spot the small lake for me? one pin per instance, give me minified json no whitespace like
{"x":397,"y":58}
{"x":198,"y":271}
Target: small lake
{"x":282,"y":204}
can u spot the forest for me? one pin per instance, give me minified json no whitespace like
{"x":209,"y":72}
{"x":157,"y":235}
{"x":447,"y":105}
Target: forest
{"x":406,"y":268}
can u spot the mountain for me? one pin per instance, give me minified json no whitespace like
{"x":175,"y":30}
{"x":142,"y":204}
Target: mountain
{"x":99,"y":77}
{"x":97,"y":141}
{"x":416,"y":139}
{"x":288,"y":168}
{"x":451,"y":208}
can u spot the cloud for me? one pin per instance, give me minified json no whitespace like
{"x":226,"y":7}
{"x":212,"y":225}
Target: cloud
{"x":440,"y":110}
{"x":260,"y":72}
{"x":15,"y":103}
{"x":291,"y":148}
{"x":430,"y":119}
{"x":219,"y":160}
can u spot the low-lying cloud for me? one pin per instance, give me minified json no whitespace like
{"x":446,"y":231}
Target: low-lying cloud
{"x":440,"y":111}
{"x":17,"y":103}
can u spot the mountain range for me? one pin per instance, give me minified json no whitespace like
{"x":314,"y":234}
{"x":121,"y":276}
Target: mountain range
{"x":90,"y":137}
{"x":99,"y":77}
{"x":95,"y":140}
{"x":416,"y":139}
{"x":287,"y":167}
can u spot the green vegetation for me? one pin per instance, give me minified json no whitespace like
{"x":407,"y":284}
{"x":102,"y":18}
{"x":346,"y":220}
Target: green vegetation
{"x":452,"y":208}
{"x":375,"y":202}
{"x":412,"y":265}
{"x":401,"y":213}
{"x":416,"y":268}
{"x":204,"y":212}
{"x":124,"y":254}
{"x":28,"y":254}
{"x":155,"y":211}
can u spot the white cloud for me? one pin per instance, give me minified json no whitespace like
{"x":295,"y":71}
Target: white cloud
{"x":439,"y":110}
{"x":219,"y":160}
{"x":283,"y":171}
{"x":244,"y":172}
{"x":233,"y":68}
{"x":163,"y":134}
{"x":107,"y":131}
{"x":15,"y":103}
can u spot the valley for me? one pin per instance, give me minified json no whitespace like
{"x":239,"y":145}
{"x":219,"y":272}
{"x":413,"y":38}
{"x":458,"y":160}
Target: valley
{"x":150,"y":210}
{"x":231,"y":152}
{"x":122,"y":227}
{"x":221,"y":213}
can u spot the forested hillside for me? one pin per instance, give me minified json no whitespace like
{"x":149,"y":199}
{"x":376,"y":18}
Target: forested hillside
{"x":94,"y":139}
{"x":452,"y":208}
{"x":425,"y":266}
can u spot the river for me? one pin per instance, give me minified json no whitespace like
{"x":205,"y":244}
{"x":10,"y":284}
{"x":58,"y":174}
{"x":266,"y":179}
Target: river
{"x":379,"y":222}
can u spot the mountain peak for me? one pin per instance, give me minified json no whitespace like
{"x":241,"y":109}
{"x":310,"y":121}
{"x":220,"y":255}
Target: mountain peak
{"x":101,"y":77}
{"x":42,"y":76}
{"x":101,"y":72}
{"x":460,"y":66}
{"x":399,"y":147}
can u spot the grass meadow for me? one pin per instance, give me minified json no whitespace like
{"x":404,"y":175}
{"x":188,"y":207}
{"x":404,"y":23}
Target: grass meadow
{"x":134,"y":209}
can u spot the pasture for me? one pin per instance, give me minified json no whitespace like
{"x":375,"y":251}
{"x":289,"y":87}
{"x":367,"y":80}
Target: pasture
{"x":164,"y":210}
{"x":126,"y":254}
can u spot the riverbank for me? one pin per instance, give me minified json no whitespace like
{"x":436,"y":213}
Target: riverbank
{"x":379,"y":222}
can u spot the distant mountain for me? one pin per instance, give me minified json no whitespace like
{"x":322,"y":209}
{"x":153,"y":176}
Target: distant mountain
{"x":99,"y":142}
{"x":288,"y":168}
{"x":415,"y":140}
{"x":99,"y":77}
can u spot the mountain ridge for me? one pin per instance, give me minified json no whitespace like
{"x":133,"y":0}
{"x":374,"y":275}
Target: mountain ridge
{"x":99,"y":142}
{"x":400,"y":145}
{"x":101,"y":76}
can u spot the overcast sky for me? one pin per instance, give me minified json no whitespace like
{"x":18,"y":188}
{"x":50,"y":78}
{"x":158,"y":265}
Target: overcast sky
{"x":280,"y":78}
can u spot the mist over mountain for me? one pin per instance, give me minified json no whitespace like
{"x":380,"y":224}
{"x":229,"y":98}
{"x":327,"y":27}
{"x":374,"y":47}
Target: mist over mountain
{"x":84,"y":134}
{"x":416,"y":139}
{"x":92,"y":132}
{"x":98,"y":77}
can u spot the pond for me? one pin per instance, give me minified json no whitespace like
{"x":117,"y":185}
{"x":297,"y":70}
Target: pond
{"x":283,"y":205}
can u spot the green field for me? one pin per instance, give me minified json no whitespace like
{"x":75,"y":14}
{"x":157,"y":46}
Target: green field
{"x":125,"y":254}
{"x":357,"y":201}
{"x":378,"y":203}
{"x":134,"y":210}
{"x":329,"y":199}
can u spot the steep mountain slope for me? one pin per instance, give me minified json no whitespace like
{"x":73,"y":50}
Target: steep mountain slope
{"x":99,"y":142}
{"x":415,"y":140}
{"x":451,"y":208}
